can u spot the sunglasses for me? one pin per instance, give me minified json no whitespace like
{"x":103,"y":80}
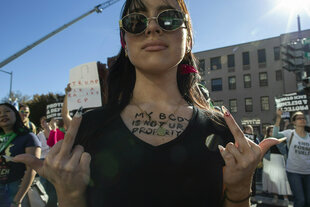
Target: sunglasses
{"x":168,"y":20}
{"x":24,"y":112}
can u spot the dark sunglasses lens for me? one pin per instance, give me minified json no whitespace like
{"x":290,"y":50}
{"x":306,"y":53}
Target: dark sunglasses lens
{"x":171,"y":20}
{"x":135,"y":23}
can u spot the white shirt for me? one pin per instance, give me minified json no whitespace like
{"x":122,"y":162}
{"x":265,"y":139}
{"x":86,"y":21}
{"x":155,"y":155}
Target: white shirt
{"x":298,"y":160}
{"x":45,"y":148}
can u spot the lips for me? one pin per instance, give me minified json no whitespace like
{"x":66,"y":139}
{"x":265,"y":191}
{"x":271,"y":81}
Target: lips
{"x":154,"y":46}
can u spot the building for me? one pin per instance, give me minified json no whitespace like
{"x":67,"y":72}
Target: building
{"x":246,"y":77}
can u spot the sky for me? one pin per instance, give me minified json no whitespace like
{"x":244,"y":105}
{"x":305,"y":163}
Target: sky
{"x":45,"y":68}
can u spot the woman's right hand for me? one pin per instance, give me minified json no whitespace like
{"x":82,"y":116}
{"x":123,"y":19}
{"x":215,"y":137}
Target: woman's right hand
{"x":66,"y":168}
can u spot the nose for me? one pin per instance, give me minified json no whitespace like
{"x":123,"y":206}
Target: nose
{"x":153,"y":26}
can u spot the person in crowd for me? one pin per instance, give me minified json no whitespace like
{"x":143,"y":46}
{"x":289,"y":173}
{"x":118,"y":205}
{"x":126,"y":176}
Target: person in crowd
{"x":298,"y":158}
{"x":249,"y":133}
{"x":274,"y":175}
{"x":24,"y":112}
{"x":49,"y":188}
{"x":57,"y":131}
{"x":146,"y":146}
{"x":15,"y":139}
{"x":43,"y":136}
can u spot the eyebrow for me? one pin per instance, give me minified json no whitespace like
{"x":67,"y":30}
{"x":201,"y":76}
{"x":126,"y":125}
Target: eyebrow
{"x":160,"y":8}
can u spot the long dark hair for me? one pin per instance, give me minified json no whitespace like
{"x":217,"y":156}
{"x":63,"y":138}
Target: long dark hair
{"x":19,"y":128}
{"x":122,"y":75}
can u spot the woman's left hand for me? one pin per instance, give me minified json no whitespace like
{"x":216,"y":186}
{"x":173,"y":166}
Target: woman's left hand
{"x":241,"y":159}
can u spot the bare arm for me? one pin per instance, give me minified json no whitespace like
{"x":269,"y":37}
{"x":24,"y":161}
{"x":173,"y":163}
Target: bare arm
{"x":28,"y":176}
{"x":65,"y":112}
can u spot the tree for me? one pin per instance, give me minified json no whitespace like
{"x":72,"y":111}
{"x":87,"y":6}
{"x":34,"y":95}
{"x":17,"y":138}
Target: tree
{"x":16,"y":95}
{"x":38,"y":105}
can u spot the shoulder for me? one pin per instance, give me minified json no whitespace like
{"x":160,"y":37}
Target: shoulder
{"x":30,"y":139}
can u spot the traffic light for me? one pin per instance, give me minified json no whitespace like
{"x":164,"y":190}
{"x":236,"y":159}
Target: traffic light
{"x":292,"y":56}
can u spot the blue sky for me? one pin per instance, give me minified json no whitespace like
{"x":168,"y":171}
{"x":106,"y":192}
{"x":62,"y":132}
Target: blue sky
{"x":46,"y":67}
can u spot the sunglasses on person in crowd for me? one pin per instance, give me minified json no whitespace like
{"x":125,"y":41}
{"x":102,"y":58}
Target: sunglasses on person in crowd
{"x":168,"y":20}
{"x":24,"y":112}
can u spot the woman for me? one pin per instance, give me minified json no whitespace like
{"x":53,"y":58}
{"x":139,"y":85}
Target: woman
{"x":274,"y":175}
{"x":298,"y":159}
{"x":57,"y":132}
{"x":15,"y":178}
{"x":147,"y":145}
{"x":43,"y":136}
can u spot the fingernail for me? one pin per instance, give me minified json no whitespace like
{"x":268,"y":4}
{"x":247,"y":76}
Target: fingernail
{"x":225,"y":111}
{"x":221,"y":148}
{"x":283,"y":139}
{"x":79,"y":112}
{"x":236,"y":144}
{"x":8,"y":158}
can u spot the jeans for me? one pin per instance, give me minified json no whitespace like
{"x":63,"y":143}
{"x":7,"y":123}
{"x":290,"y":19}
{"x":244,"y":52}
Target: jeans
{"x":7,"y":193}
{"x":300,"y":186}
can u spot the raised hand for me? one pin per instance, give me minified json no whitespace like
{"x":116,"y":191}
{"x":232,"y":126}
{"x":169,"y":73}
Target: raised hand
{"x":66,"y":168}
{"x":241,"y":159}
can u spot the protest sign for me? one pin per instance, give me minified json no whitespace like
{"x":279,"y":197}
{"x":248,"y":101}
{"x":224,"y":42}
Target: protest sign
{"x":85,"y":87}
{"x":292,"y":102}
{"x":53,"y":111}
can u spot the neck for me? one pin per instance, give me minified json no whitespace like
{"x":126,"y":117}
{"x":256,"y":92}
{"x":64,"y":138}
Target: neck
{"x":156,"y":89}
{"x":300,"y":131}
{"x":7,"y":130}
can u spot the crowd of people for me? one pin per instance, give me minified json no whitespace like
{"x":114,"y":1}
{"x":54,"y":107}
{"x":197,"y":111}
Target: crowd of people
{"x":138,"y":150}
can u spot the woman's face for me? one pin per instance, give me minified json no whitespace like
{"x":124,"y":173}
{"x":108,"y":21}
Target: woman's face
{"x":7,"y":117}
{"x":156,"y":50}
{"x":300,"y":120}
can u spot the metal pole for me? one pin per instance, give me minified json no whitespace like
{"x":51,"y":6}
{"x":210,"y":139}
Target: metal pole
{"x":97,"y":9}
{"x":299,"y":28}
{"x":11,"y":84}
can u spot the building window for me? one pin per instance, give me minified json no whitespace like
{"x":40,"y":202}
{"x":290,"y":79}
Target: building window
{"x":233,"y":105}
{"x":264,"y":100}
{"x":202,"y":66}
{"x":263,"y":79}
{"x":216,"y":63}
{"x":279,"y":75}
{"x":231,"y":61}
{"x":218,"y":103}
{"x":232,"y":82}
{"x":276,"y":51}
{"x":261,"y":54}
{"x":248,"y":104}
{"x":246,"y":58}
{"x":247,"y":81}
{"x":216,"y":84}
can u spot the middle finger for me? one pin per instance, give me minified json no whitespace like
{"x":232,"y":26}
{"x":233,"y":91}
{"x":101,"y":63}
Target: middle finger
{"x":239,"y":137}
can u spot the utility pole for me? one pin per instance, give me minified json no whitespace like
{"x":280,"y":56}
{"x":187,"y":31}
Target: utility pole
{"x":99,"y":8}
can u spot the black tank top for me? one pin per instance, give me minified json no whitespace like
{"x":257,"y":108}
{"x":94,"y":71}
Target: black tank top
{"x":125,"y":171}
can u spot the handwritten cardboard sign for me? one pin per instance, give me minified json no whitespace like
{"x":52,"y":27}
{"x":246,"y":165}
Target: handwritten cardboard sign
{"x":85,"y":87}
{"x":53,"y":111}
{"x":292,"y":102}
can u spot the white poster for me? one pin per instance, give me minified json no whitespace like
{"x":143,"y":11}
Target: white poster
{"x":85,"y":87}
{"x":292,"y":102}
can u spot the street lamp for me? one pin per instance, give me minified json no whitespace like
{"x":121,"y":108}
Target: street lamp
{"x":10,"y":73}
